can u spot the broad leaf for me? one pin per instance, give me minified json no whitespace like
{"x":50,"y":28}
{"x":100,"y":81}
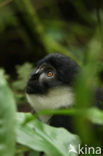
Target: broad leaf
{"x":95,"y":116}
{"x":41,"y":137}
{"x":7,"y":119}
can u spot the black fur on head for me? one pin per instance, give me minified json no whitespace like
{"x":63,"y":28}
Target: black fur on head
{"x":65,"y":68}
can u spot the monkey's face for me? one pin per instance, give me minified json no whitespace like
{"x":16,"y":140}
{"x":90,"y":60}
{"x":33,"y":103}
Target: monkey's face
{"x":42,"y":79}
{"x":49,"y":86}
{"x":52,"y":71}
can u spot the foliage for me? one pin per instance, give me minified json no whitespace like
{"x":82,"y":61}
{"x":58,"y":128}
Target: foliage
{"x":7,"y":119}
{"x":41,"y":137}
{"x":23,"y":73}
{"x":84,"y":90}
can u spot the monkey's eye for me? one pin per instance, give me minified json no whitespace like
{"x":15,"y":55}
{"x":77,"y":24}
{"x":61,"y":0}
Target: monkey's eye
{"x":50,"y":74}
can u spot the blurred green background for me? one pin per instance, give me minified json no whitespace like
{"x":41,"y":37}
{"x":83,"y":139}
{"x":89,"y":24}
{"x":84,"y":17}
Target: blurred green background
{"x":31,"y":29}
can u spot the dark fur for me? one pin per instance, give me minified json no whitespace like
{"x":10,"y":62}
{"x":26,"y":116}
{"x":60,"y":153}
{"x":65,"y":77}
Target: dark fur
{"x":66,"y":70}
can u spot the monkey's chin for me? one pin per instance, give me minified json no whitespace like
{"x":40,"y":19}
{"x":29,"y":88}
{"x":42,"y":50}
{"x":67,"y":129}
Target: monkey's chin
{"x":56,"y":98}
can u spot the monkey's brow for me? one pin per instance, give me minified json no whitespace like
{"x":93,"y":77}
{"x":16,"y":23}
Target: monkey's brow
{"x":43,"y":65}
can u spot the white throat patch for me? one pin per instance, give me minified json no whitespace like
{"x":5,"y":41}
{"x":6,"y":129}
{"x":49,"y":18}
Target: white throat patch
{"x":56,"y":98}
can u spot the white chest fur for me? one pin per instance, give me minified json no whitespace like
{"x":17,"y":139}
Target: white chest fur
{"x":56,"y":98}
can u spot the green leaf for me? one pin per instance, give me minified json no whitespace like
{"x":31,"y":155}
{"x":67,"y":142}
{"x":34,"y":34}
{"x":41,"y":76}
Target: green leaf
{"x":23,"y":73}
{"x":95,"y":116}
{"x":41,"y":137}
{"x":7,"y":119}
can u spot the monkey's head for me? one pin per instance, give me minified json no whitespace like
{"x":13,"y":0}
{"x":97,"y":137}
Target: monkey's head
{"x":50,"y":84}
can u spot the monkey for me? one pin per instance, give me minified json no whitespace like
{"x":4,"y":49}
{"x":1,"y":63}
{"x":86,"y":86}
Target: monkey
{"x":51,"y":86}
